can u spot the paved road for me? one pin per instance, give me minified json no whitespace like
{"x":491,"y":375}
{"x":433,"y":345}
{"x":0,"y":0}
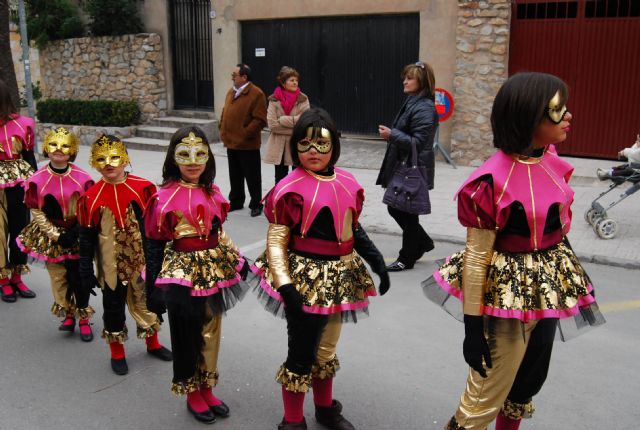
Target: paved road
{"x":402,"y":367}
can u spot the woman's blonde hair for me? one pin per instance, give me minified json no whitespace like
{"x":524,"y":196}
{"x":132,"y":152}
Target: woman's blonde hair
{"x":423,"y":72}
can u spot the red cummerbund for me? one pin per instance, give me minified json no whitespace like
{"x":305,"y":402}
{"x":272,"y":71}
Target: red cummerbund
{"x":312,"y":245}
{"x":187,"y":244}
{"x":64,"y":223}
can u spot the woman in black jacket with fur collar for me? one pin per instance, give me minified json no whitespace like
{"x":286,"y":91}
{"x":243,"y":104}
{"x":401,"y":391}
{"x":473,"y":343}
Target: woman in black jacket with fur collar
{"x":417,"y":121}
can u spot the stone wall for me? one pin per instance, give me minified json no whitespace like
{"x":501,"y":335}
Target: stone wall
{"x":86,"y":133}
{"x":482,"y":44}
{"x":129,"y":67}
{"x":18,"y":65}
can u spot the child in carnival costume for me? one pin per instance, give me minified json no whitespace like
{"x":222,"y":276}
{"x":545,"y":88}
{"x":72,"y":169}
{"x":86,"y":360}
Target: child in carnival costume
{"x":518,"y":277}
{"x":111,"y":230}
{"x":52,"y":194}
{"x":313,"y":267}
{"x":195,"y":265}
{"x":17,"y":163}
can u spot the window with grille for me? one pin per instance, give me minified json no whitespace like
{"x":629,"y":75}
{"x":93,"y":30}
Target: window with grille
{"x":547,"y":10}
{"x":612,"y":8}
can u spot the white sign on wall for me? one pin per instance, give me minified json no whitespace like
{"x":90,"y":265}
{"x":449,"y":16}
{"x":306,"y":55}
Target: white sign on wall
{"x":261,"y":52}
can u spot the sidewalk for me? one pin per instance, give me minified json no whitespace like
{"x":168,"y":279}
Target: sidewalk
{"x":363,"y":158}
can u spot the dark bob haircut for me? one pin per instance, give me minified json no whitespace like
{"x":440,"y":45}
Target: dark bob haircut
{"x":519,"y":107}
{"x":171,"y":171}
{"x":8,"y":109}
{"x":317,"y":118}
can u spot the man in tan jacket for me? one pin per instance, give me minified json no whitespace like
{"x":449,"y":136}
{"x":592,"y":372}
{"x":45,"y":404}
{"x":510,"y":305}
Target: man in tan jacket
{"x":243,"y":117}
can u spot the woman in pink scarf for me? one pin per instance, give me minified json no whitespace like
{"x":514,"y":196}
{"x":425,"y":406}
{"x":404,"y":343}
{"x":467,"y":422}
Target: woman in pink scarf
{"x":286,"y":104}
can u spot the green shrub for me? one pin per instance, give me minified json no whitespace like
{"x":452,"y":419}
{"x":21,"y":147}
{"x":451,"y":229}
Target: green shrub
{"x":52,"y":20}
{"x":107,"y":113}
{"x":114,"y":17}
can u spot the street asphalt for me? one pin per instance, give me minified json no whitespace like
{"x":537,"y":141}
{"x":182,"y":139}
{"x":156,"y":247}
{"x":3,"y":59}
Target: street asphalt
{"x":402,"y":368}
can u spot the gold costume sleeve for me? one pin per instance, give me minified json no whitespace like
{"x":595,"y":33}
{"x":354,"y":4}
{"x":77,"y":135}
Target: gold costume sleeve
{"x":277,"y":254}
{"x":477,"y":257}
{"x":45,"y":225}
{"x":224,"y":239}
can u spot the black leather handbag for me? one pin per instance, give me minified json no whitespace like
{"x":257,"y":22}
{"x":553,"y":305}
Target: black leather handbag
{"x":407,"y":189}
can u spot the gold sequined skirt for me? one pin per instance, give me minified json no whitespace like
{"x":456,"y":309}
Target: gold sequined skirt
{"x":38,"y":245}
{"x":326,"y":286}
{"x":528,"y":286}
{"x":13,"y":172}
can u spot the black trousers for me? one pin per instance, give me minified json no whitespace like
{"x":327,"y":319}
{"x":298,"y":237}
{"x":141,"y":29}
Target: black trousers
{"x":244,"y":165}
{"x":282,"y":170}
{"x":304,"y":333}
{"x":414,"y":239}
{"x":535,"y":364}
{"x":113,"y":302}
{"x":17,"y":219}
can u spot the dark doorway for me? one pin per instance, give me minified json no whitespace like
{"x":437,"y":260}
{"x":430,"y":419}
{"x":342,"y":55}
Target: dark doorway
{"x":192,"y":59}
{"x":349,"y":65}
{"x":593,"y":46}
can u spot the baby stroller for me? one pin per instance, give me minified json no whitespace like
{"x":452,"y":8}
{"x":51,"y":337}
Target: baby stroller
{"x":596,"y":215}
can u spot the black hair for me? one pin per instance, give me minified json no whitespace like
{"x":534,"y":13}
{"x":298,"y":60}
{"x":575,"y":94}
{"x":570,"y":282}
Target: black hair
{"x":8,"y":109}
{"x":244,"y":70}
{"x":317,"y":118}
{"x":520,"y":106}
{"x":171,"y":171}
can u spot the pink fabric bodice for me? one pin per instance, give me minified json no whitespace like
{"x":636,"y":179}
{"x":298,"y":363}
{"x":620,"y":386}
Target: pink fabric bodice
{"x":537,"y":184}
{"x":60,"y":186}
{"x":21,"y":128}
{"x":340,"y":193}
{"x":197,"y":207}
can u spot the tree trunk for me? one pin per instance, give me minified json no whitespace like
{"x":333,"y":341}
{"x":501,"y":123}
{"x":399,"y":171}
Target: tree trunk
{"x":7,"y":72}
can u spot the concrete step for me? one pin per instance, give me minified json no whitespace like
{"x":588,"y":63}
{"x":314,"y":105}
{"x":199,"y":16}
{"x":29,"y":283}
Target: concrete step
{"x":146,"y":143}
{"x":208,"y":125}
{"x":200,"y":114}
{"x":155,"y":132}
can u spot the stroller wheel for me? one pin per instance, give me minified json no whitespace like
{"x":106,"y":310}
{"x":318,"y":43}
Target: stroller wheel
{"x":606,"y":228}
{"x":589,"y":215}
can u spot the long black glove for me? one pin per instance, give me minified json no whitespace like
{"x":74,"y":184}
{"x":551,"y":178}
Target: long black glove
{"x":30,"y":158}
{"x":88,"y":238}
{"x":475,"y":347}
{"x":292,"y":300}
{"x":367,"y":250}
{"x":154,"y":255}
{"x":69,"y":237}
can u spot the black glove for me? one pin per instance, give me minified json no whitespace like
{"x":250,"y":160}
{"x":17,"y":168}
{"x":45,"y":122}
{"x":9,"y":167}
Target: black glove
{"x":68,"y":238}
{"x":367,"y":250}
{"x":154,"y":255}
{"x":292,"y":300}
{"x":244,"y":271}
{"x":475,"y":346}
{"x":88,"y":239}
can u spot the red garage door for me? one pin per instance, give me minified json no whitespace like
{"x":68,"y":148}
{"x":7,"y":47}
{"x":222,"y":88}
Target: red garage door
{"x":594,"y":46}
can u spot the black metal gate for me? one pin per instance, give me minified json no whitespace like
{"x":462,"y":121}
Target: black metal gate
{"x":192,"y":59}
{"x":349,"y":65}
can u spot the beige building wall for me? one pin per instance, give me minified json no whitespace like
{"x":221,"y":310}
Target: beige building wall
{"x":155,"y":15}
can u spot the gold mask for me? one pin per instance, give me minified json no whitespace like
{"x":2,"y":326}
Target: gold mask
{"x":106,"y":152}
{"x":556,"y":111}
{"x":191,"y":150}
{"x":60,"y":139}
{"x":318,"y":138}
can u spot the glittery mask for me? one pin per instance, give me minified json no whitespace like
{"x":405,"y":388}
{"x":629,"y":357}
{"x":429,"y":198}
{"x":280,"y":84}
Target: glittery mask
{"x":318,"y":138}
{"x":61,"y":140}
{"x":555,"y":110}
{"x":191,"y":150}
{"x":106,"y":152}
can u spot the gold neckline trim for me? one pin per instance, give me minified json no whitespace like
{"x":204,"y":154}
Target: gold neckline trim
{"x":525,"y":159}
{"x":320,"y":177}
{"x":186,"y":184}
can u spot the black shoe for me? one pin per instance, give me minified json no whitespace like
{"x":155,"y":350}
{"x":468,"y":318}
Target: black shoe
{"x":256,"y":211}
{"x":68,"y":327}
{"x":119,"y":366}
{"x":221,"y":410}
{"x":331,"y":417}
{"x":235,"y":208}
{"x":398,"y":266}
{"x":206,"y":417}
{"x":293,"y":426}
{"x":8,"y":297}
{"x":162,"y":353}
{"x":24,"y":292}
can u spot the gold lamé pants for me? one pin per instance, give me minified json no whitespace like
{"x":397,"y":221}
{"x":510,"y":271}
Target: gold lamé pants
{"x":195,"y":342}
{"x":134,"y":296}
{"x":59,"y":287}
{"x":520,"y":354}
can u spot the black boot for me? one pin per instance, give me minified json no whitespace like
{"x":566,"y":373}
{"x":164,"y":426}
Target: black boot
{"x":119,"y":366}
{"x":293,"y":426}
{"x":331,"y":417}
